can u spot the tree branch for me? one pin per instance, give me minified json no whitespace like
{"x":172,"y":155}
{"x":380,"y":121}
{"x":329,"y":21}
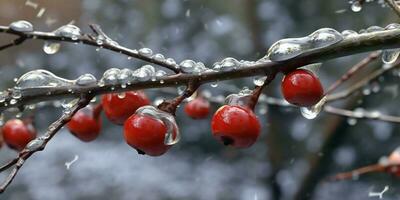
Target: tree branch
{"x":91,"y":40}
{"x":40,"y":143}
{"x":357,"y":44}
{"x":392,"y":4}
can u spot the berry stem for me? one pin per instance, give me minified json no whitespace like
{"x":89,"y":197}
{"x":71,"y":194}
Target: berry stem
{"x":258,"y":90}
{"x":357,"y":172}
{"x":171,"y":105}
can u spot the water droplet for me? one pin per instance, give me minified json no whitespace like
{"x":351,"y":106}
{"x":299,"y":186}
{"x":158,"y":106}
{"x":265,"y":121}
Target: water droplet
{"x":227,"y":64}
{"x":392,"y":26}
{"x":161,"y":73}
{"x":181,"y":90}
{"x":41,"y":79}
{"x":313,"y":111}
{"x":259,"y":81}
{"x":16,"y":94}
{"x":35,"y":144}
{"x":158,"y":57}
{"x":349,"y":33}
{"x":85,"y":80}
{"x":145,"y":73}
{"x":145,"y":52}
{"x":372,"y":29}
{"x":242,"y":98}
{"x":288,"y":48}
{"x":356,"y":6}
{"x":172,"y":135}
{"x":170,"y":61}
{"x":352,"y":121}
{"x":325,"y":37}
{"x":125,"y":77}
{"x":69,"y":31}
{"x":111,"y":76}
{"x":51,"y":47}
{"x":214,"y":85}
{"x":13,"y":101}
{"x":3,"y":97}
{"x":21,"y":26}
{"x":390,"y":56}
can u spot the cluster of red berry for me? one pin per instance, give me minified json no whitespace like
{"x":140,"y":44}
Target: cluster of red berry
{"x":233,"y":124}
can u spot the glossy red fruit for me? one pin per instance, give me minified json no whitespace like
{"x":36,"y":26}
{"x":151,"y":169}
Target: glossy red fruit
{"x":119,"y":107}
{"x":17,"y":133}
{"x":235,"y":125}
{"x":146,"y":134}
{"x":198,"y":108}
{"x":86,"y":123}
{"x":302,"y":88}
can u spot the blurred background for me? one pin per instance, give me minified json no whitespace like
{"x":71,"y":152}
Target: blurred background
{"x":289,"y":161}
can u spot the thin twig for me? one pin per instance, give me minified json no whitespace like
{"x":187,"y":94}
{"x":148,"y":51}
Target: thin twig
{"x":40,"y":143}
{"x":392,"y":4}
{"x":353,"y":70}
{"x":88,"y":39}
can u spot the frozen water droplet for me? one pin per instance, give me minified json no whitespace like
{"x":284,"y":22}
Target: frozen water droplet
{"x":111,"y":76}
{"x":349,"y":33}
{"x":161,"y":73}
{"x":2,"y":97}
{"x":392,"y":26}
{"x":374,"y":29}
{"x":125,"y":77}
{"x":35,"y":144}
{"x":356,"y":6}
{"x":172,"y":135}
{"x":313,"y":111}
{"x":191,"y":67}
{"x":145,"y":52}
{"x":69,"y":31}
{"x":170,"y":61}
{"x":16,"y":94}
{"x":325,"y":37}
{"x":145,"y":73}
{"x":214,"y":85}
{"x":41,"y":79}
{"x":51,"y":47}
{"x":86,"y":79}
{"x":242,"y":98}
{"x":181,"y":89}
{"x":158,"y":57}
{"x":227,"y":64}
{"x":259,"y":81}
{"x":21,"y":26}
{"x":288,"y":48}
{"x":390,"y":56}
{"x":13,"y":101}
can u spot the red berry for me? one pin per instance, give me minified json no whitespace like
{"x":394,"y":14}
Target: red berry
{"x":235,"y":125}
{"x":198,"y":108}
{"x":85,"y":124}
{"x":17,"y":134}
{"x":146,"y":134}
{"x":118,"y":108}
{"x":302,"y":88}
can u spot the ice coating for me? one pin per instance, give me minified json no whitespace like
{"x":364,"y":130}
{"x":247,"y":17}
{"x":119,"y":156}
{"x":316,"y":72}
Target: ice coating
{"x":86,"y":79}
{"x":313,"y":111}
{"x":41,"y":79}
{"x":69,"y":31}
{"x":241,"y":99}
{"x":21,"y":26}
{"x":286,"y":49}
{"x":390,"y":56}
{"x":227,"y":64}
{"x":167,"y":119}
{"x":191,"y":67}
{"x":145,"y":73}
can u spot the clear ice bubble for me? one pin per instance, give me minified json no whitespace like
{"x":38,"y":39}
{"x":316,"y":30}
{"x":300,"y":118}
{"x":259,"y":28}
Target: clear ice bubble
{"x":41,"y":79}
{"x":35,"y":144}
{"x":125,"y":77}
{"x":145,"y":52}
{"x":325,"y":37}
{"x":172,"y":135}
{"x":392,"y":26}
{"x":259,"y":81}
{"x":21,"y":26}
{"x":349,"y":33}
{"x":313,"y":111}
{"x":159,"y":57}
{"x":161,"y":73}
{"x":86,"y":79}
{"x":372,"y":29}
{"x":227,"y":64}
{"x":51,"y":47}
{"x":145,"y":73}
{"x":390,"y":56}
{"x":241,"y":99}
{"x":69,"y":31}
{"x":111,"y":76}
{"x":191,"y":67}
{"x":286,"y":49}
